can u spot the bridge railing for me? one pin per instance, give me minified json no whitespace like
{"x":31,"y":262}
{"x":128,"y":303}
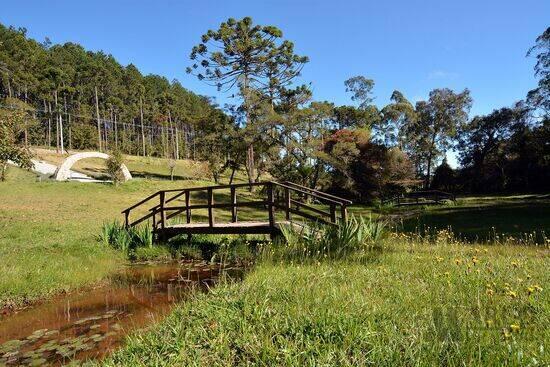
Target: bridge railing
{"x":289,"y":198}
{"x":415,"y":197}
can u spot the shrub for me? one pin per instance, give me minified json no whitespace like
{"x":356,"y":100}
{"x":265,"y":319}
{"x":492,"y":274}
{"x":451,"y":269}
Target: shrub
{"x":113,"y":167}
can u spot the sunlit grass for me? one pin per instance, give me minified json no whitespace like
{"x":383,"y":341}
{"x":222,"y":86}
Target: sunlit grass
{"x":413,"y":304}
{"x":50,"y":230}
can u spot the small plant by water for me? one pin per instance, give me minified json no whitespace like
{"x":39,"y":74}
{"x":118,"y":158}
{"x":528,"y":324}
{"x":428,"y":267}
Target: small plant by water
{"x":324,"y":242}
{"x":127,"y":240}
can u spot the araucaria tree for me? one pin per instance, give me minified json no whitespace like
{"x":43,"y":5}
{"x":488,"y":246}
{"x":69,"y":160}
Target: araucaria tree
{"x":254,"y":60}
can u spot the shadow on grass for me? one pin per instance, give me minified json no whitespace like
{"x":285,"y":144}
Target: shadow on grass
{"x":513,"y":218}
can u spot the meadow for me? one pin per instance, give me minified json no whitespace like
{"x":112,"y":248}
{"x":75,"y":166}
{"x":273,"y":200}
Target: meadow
{"x":410,"y":303}
{"x":50,"y":230}
{"x":413,"y":299}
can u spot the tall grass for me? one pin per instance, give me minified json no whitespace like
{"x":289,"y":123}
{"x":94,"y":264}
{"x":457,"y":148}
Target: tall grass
{"x":323,"y":242}
{"x":127,"y":240}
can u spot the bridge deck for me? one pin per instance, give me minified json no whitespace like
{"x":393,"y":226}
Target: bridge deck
{"x":242,"y":227}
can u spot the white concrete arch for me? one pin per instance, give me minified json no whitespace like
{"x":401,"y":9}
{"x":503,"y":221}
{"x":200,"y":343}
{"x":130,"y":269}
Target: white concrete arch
{"x":63,"y":172}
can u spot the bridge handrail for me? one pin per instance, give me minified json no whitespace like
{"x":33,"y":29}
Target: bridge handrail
{"x":320,"y":193}
{"x":161,"y":208}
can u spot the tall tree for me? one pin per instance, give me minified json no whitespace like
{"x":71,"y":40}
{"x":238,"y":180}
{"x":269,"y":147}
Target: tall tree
{"x":540,"y":96}
{"x":252,"y":58}
{"x":361,"y":89}
{"x":437,"y":123}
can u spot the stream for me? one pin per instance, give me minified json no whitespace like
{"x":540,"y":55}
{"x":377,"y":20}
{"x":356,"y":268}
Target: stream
{"x":92,"y":323}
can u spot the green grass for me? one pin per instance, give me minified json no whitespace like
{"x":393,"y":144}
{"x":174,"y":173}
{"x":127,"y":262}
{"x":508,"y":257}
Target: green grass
{"x":49,"y":233}
{"x":483,"y":218}
{"x":413,"y":304}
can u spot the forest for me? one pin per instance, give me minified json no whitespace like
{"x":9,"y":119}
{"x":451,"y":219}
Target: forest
{"x":70,"y":98}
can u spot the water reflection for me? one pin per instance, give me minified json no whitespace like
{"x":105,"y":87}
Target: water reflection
{"x":91,"y":323}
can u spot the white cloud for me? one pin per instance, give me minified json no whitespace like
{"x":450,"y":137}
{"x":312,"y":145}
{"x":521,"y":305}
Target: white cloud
{"x":442,"y":74}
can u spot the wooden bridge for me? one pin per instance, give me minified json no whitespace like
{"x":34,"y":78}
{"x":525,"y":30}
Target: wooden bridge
{"x":171,"y":211}
{"x":426,"y":197}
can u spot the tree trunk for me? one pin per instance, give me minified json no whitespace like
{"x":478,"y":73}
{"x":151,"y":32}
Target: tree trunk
{"x":142,"y":131}
{"x":49,"y":124}
{"x":116,"y":134}
{"x":429,"y":171}
{"x":105,"y":133}
{"x":98,"y":120}
{"x":56,"y":122}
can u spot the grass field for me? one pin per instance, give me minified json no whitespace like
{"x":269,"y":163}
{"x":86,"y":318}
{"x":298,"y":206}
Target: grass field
{"x":484,"y":218}
{"x":417,"y":301}
{"x":411,"y":304}
{"x":49,"y":232}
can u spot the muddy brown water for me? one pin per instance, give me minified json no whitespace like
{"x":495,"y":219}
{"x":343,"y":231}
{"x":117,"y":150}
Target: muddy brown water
{"x":92,"y":323}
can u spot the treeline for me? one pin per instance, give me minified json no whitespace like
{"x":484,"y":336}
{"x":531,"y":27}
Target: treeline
{"x":87,"y":100}
{"x":276,"y":129}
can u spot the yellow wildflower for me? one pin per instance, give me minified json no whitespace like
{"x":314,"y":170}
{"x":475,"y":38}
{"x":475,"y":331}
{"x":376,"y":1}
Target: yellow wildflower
{"x":514,"y":328}
{"x":475,"y":260}
{"x":490,"y":292}
{"x":512,"y":294}
{"x":515,"y":264}
{"x":489,"y":323}
{"x":458,"y":261}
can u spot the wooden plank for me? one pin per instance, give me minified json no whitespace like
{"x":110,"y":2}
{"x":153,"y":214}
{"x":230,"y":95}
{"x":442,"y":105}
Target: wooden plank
{"x":234,"y":205}
{"x":176,"y":196}
{"x":287,"y":204}
{"x":319,"y":193}
{"x":309,"y":216}
{"x":210,"y":208}
{"x":309,"y":207}
{"x":271,"y":205}
{"x":141,"y":202}
{"x":249,"y":204}
{"x":187,"y":208}
{"x":162,"y":197}
{"x":295,"y":189}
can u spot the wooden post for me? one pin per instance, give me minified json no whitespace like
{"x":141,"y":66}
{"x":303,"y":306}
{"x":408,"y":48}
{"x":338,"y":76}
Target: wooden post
{"x":234,"y":205}
{"x":127,"y":219}
{"x":270,"y":205}
{"x":287,"y":203}
{"x":187,"y":210}
{"x":344,"y":213}
{"x":210,"y":209}
{"x":162,"y":212}
{"x":333,"y":213}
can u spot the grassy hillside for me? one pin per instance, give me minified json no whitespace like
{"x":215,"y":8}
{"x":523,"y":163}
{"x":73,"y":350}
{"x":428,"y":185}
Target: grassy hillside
{"x":49,"y":232}
{"x":141,"y":167}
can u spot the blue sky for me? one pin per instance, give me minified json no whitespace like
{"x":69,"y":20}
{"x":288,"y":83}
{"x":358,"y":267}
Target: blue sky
{"x":413,"y":46}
